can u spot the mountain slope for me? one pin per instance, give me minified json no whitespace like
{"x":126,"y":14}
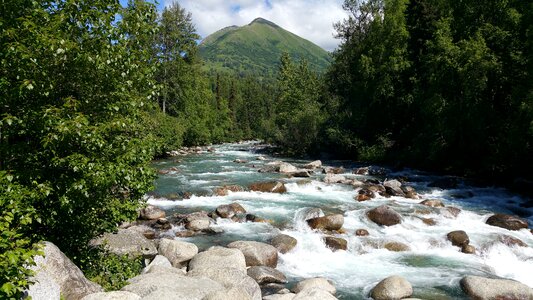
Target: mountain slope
{"x":257,"y":47}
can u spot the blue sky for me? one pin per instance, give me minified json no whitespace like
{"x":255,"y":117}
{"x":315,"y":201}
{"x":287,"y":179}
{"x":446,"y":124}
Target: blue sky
{"x":311,"y":19}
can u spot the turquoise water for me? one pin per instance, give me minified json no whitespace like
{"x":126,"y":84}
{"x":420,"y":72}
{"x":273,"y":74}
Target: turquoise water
{"x":433,"y":265}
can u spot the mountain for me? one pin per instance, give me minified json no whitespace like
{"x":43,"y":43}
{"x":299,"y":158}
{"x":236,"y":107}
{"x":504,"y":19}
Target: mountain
{"x":256,"y":49}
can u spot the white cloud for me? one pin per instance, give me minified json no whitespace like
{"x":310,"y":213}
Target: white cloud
{"x":310,"y":19}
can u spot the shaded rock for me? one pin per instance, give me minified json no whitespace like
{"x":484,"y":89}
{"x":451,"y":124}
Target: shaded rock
{"x":256,"y":219}
{"x":158,"y":261}
{"x":314,"y":294}
{"x":186,"y":233}
{"x":468,"y":249}
{"x":257,"y":253}
{"x":224,"y":190}
{"x":56,"y":275}
{"x":263,"y":275}
{"x":313,"y":165}
{"x":393,"y":187}
{"x":284,"y":243}
{"x":329,"y":222}
{"x":301,"y":174}
{"x":450,"y":212}
{"x":511,"y":241}
{"x":365,"y":195}
{"x":410,"y":192}
{"x":333,"y":170}
{"x":177,"y":252}
{"x":220,"y":257}
{"x":507,"y":221}
{"x":230,"y":278}
{"x":269,"y":187}
{"x":432,"y":203}
{"x":157,"y":286}
{"x":445,"y":183}
{"x":116,"y":295}
{"x":393,"y":287}
{"x":361,"y":232}
{"x":162,"y":224}
{"x":151,"y":213}
{"x":334,"y":178}
{"x":377,"y":171}
{"x":315,"y":283}
{"x":361,"y":171}
{"x":458,"y":238}
{"x":227,"y":211}
{"x":335,"y":243}
{"x":493,"y":289}
{"x":384,"y":215}
{"x":126,"y":242}
{"x":429,"y":221}
{"x":396,"y":247}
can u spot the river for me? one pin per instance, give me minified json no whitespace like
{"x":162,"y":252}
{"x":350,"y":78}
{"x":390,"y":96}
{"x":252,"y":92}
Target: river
{"x":432,"y":265}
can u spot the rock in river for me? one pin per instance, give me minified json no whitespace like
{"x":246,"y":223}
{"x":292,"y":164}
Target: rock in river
{"x":384,"y":215}
{"x":393,"y":287}
{"x":151,"y":213}
{"x":257,"y":253}
{"x":269,"y":187}
{"x":329,"y":222}
{"x":315,"y":283}
{"x":458,"y":238}
{"x":220,"y":257}
{"x":507,"y":221}
{"x":335,"y":243}
{"x":264,"y":275}
{"x":227,"y":211}
{"x":493,"y":289}
{"x":284,"y":243}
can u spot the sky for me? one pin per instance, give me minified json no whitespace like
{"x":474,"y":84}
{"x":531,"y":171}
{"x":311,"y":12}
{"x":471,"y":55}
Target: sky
{"x":310,"y":19}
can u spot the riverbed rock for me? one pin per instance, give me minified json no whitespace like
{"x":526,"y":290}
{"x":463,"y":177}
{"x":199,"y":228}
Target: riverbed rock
{"x":361,"y":232}
{"x":158,"y":261}
{"x":361,"y":171}
{"x":458,"y":238}
{"x":157,"y":286}
{"x":314,"y":294}
{"x":364,"y":194}
{"x":56,"y":275}
{"x":335,"y":243}
{"x":511,"y":241}
{"x":477,"y":287}
{"x":198,"y":224}
{"x":333,"y":170}
{"x":396,"y":247}
{"x":219,"y":256}
{"x":334,"y":178}
{"x":224,"y":190}
{"x":313,"y":165}
{"x":301,"y":174}
{"x":229,"y":278}
{"x":269,"y":187}
{"x":284,"y":243}
{"x":384,"y":215}
{"x":429,"y":221}
{"x":468,"y":249}
{"x":257,"y":253}
{"x":256,"y":219}
{"x":507,"y":221}
{"x":235,"y":293}
{"x":126,"y":242}
{"x":115,"y":295}
{"x":450,"y":212}
{"x":177,"y":252}
{"x":288,"y":296}
{"x":410,"y":192}
{"x":393,"y":287}
{"x":227,"y":211}
{"x":263,"y":275}
{"x":315,"y":283}
{"x":432,"y":203}
{"x":307,"y":213}
{"x":286,"y":168}
{"x":151,"y":213}
{"x":393,"y":187}
{"x":329,"y":222}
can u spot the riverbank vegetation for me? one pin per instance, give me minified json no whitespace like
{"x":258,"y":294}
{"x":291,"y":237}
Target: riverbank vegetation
{"x":92,"y":91}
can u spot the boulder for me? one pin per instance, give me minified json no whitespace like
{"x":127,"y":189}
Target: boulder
{"x":229,"y":278}
{"x":309,"y":213}
{"x":263,"y":275}
{"x":313,"y":165}
{"x":361,"y":232}
{"x":507,"y":221}
{"x":289,"y":296}
{"x":301,"y":174}
{"x":329,"y":222}
{"x":256,"y":219}
{"x":315,"y":283}
{"x":429,"y":221}
{"x":335,"y":243}
{"x":227,"y":211}
{"x":269,"y":187}
{"x":364,"y":194}
{"x":235,"y":293}
{"x":458,"y":238}
{"x":486,"y":288}
{"x":396,"y":247}
{"x":284,"y":243}
{"x":151,"y":213}
{"x":198,"y":224}
{"x":220,"y":257}
{"x":257,"y":253}
{"x":157,"y":286}
{"x":224,"y":190}
{"x":116,"y":295}
{"x":393,"y":287}
{"x":511,"y":241}
{"x":393,"y":187}
{"x":410,"y":192}
{"x":158,"y":261}
{"x":334,"y":178}
{"x":450,"y":212}
{"x":56,"y":275}
{"x":361,"y":171}
{"x":287,"y":168}
{"x":333,"y":170}
{"x":126,"y":242}
{"x":314,"y":294}
{"x":384,"y":215}
{"x":432,"y":203}
{"x":468,"y":249}
{"x":177,"y":252}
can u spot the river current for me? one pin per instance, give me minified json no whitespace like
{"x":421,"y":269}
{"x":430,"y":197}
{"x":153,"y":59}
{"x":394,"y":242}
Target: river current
{"x":432,"y":265}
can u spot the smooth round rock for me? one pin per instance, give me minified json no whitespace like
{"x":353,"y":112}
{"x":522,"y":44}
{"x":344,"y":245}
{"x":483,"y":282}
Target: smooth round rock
{"x":227,"y":211}
{"x":458,"y":238}
{"x":263,"y":275}
{"x":396,"y":247}
{"x":432,"y":203}
{"x":507,"y":221}
{"x":151,"y":213}
{"x":257,"y":253}
{"x":393,"y":287}
{"x":384,"y":215}
{"x":312,"y":283}
{"x":220,"y":257}
{"x":284,"y":243}
{"x":486,"y":288}
{"x":329,"y":222}
{"x":362,"y":232}
{"x":335,"y":243}
{"x":177,"y":252}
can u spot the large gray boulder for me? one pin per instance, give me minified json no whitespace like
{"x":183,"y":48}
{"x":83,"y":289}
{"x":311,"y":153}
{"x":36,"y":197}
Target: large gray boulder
{"x":151,"y":213}
{"x":334,"y":178}
{"x":229,"y":210}
{"x":314,"y":294}
{"x":393,"y":187}
{"x":284,"y":243}
{"x":313,"y":165}
{"x":264,"y":275}
{"x":507,"y":221}
{"x":115,"y":295}
{"x":288,"y":296}
{"x":257,"y":253}
{"x":315,"y":283}
{"x":393,"y":287}
{"x":220,"y":257}
{"x":230,"y":278}
{"x":56,"y":275}
{"x":384,"y":215}
{"x":329,"y":222}
{"x":495,"y":289}
{"x":177,"y":252}
{"x":169,"y":286}
{"x":126,"y":242}
{"x":158,"y":261}
{"x":235,"y":293}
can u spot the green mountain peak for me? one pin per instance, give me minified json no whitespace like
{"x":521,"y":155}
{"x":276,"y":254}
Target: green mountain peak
{"x":256,"y":49}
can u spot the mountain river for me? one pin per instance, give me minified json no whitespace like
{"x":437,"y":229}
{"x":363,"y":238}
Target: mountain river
{"x":432,"y":264}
